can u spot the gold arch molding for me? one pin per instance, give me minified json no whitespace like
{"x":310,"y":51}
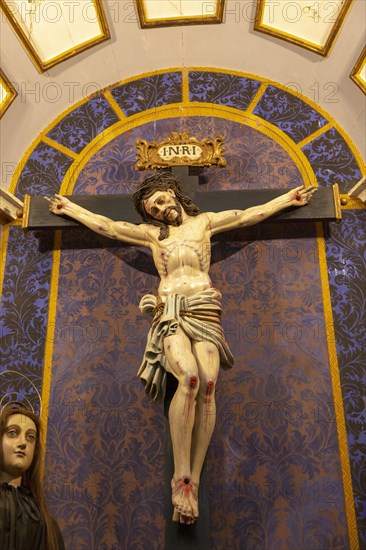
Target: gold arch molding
{"x":187,"y":108}
{"x":162,"y":113}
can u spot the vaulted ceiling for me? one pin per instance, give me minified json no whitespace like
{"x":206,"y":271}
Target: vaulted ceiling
{"x":54,"y":54}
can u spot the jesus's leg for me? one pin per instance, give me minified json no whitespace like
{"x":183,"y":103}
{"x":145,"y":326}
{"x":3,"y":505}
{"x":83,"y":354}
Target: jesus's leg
{"x":183,"y":365}
{"x":208,"y":362}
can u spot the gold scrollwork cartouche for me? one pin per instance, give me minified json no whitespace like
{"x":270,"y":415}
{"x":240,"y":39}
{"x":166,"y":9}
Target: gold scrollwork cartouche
{"x":180,"y":149}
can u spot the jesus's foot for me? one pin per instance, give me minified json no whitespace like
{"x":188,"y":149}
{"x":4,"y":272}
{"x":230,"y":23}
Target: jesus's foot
{"x":185,"y":500}
{"x":182,"y":519}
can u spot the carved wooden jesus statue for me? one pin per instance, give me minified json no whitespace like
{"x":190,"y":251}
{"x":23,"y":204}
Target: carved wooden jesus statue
{"x":186,"y":336}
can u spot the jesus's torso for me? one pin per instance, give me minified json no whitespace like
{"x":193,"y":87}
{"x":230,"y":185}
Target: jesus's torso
{"x":183,"y":258}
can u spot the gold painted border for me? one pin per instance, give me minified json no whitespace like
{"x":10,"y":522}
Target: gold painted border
{"x":3,"y":254}
{"x":11,"y":93}
{"x":337,"y":394}
{"x":288,"y":37}
{"x":337,"y":202}
{"x":26,"y":208}
{"x":257,"y":97}
{"x":50,"y":334}
{"x":185,"y":85}
{"x":150,"y":23}
{"x":42,"y":65}
{"x":315,"y":135}
{"x":60,"y":147}
{"x":114,"y":105}
{"x":351,"y":203}
{"x":356,"y":71}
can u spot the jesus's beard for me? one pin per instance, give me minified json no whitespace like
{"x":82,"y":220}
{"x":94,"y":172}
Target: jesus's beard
{"x":178,"y":219}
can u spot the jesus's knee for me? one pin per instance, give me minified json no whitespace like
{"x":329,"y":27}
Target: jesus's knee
{"x":207,"y":389}
{"x":190,"y":383}
{"x":210,"y":386}
{"x":193,"y":382}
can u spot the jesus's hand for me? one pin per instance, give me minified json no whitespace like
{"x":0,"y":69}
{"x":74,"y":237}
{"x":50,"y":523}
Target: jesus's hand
{"x":300,"y":196}
{"x":58,"y":204}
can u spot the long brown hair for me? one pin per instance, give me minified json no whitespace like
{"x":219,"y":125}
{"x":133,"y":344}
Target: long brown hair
{"x":31,"y":479}
{"x":161,"y":182}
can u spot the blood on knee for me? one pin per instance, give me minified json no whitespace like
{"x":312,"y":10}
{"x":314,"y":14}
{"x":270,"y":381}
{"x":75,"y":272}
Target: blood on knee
{"x":193,"y":380}
{"x":210,"y":386}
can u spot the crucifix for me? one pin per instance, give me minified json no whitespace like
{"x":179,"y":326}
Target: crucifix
{"x":325,"y":209}
{"x":186,"y":338}
{"x":185,"y":156}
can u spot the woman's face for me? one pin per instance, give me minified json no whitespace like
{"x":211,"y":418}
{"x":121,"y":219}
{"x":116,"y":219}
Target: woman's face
{"x":18,"y":445}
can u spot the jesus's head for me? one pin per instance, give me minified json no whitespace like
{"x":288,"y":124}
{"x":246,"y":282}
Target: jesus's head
{"x":159,"y":200}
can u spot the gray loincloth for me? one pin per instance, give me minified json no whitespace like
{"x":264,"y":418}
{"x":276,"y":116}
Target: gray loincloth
{"x":198,"y":316}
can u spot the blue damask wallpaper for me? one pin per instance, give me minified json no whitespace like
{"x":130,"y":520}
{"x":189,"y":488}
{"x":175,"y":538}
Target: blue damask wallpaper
{"x":44,"y":171}
{"x":83,"y":124}
{"x":148,"y":93}
{"x":222,"y":88}
{"x":23,"y":318}
{"x":333,"y":161}
{"x":289,"y":113}
{"x":346,"y":255}
{"x":274,"y":470}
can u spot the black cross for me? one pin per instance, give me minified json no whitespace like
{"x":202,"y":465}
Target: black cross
{"x":322,"y":208}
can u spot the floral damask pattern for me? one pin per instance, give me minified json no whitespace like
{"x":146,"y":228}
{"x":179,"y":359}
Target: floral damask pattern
{"x":43,"y":172}
{"x":253,"y":159}
{"x":148,"y":93}
{"x":333,"y":161}
{"x":275,"y":433}
{"x":112,"y":169}
{"x":289,"y":113}
{"x":107,"y":480}
{"x":221,"y":88}
{"x":83,"y":124}
{"x":346,"y":257}
{"x":23,"y":315}
{"x":275,"y":449}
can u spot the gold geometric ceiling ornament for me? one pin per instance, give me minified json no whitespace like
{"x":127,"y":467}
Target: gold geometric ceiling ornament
{"x":167,"y":13}
{"x":54,"y":31}
{"x":358,"y":74}
{"x":313,"y":25}
{"x":7,"y":93}
{"x":180,"y":149}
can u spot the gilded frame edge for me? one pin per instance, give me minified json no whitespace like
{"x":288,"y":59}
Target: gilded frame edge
{"x":11,"y":91}
{"x":355,"y":74}
{"x":146,"y":23}
{"x":312,"y":46}
{"x":43,"y":66}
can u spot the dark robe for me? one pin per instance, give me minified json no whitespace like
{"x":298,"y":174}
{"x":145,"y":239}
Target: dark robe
{"x":22,"y":526}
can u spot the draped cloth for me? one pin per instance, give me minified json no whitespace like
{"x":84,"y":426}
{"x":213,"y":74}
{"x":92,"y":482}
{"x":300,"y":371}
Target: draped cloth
{"x":199,"y":316}
{"x":22,"y":526}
